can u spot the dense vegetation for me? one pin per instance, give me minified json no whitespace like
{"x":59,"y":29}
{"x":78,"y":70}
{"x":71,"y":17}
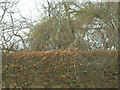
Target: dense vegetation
{"x":71,"y":44}
{"x":86,"y":26}
{"x":61,"y":69}
{"x":61,"y":25}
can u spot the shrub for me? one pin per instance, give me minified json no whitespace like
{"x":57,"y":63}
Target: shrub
{"x":60,"y":68}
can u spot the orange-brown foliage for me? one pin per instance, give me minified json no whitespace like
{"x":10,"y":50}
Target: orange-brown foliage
{"x":61,"y":68}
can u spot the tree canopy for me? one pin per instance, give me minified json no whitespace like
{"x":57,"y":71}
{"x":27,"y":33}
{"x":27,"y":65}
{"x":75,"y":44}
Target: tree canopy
{"x":72,"y":24}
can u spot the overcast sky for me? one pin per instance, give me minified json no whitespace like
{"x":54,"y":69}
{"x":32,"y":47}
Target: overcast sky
{"x":28,"y":8}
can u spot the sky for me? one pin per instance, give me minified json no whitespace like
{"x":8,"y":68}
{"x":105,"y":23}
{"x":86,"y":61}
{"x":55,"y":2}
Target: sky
{"x":28,"y":8}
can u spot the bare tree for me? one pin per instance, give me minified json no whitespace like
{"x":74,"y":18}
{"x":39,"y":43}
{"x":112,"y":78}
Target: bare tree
{"x":12,"y":23}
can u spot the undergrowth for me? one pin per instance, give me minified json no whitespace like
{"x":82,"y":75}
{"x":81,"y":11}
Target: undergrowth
{"x":60,"y":69}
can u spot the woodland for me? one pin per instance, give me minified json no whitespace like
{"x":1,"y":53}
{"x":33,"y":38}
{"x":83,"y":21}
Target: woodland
{"x":69,"y":45}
